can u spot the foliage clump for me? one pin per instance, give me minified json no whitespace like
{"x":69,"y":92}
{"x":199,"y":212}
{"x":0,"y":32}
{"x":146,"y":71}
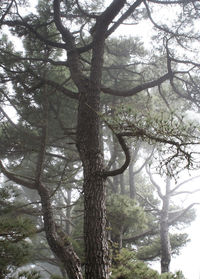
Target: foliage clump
{"x":128,"y":267}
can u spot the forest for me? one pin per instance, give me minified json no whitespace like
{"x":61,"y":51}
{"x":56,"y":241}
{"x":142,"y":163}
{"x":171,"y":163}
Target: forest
{"x":99,"y":136}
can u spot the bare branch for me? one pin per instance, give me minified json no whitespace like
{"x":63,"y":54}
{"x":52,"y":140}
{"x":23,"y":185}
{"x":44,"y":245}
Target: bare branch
{"x":184,"y":182}
{"x":154,"y":183}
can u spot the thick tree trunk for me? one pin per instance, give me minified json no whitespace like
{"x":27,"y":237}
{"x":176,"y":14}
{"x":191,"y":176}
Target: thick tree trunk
{"x":89,"y":146}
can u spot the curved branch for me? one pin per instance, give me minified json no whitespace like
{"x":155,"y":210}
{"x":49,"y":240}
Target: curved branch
{"x":155,"y":184}
{"x":127,"y":160}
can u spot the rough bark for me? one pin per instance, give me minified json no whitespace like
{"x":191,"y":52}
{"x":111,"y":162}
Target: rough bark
{"x":89,"y":146}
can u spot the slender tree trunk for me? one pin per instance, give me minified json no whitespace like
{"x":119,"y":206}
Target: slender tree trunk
{"x":115,"y":181}
{"x":58,"y":241}
{"x":132,"y":181}
{"x":164,"y":232}
{"x":122,"y":185}
{"x":68,"y":212}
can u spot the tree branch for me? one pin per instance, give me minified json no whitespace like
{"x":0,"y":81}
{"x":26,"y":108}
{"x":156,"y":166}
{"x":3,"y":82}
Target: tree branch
{"x":65,"y":91}
{"x":184,"y":182}
{"x":169,"y":2}
{"x":67,"y":36}
{"x":141,"y":235}
{"x":111,"y":12}
{"x":172,"y":221}
{"x":6,"y":12}
{"x":137,"y":89}
{"x":13,"y":177}
{"x":155,"y":184}
{"x":127,"y":160}
{"x":123,"y":17}
{"x":32,"y":30}
{"x":144,"y":164}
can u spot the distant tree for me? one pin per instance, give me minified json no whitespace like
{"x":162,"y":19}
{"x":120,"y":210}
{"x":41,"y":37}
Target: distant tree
{"x":170,"y":216}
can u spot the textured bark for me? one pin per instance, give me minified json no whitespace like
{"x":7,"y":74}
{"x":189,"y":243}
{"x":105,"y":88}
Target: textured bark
{"x":89,"y":146}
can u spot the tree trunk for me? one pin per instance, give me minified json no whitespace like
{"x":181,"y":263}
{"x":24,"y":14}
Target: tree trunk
{"x":89,"y":146}
{"x":68,"y":212}
{"x":122,"y":185}
{"x":164,"y":232}
{"x":115,"y":188}
{"x":57,"y":240}
{"x":132,"y":181}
